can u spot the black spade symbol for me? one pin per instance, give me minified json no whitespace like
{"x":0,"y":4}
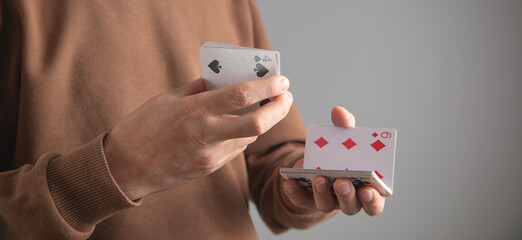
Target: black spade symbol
{"x":264,"y":102}
{"x":257,"y":58}
{"x":214,"y":65}
{"x":261,"y":70}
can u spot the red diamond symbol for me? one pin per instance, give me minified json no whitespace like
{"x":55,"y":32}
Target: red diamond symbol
{"x":378,"y":174}
{"x":321,"y":142}
{"x":378,"y":145}
{"x":375,"y":134}
{"x":349,"y":143}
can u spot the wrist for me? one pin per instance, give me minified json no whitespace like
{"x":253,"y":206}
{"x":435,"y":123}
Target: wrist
{"x":118,"y":168}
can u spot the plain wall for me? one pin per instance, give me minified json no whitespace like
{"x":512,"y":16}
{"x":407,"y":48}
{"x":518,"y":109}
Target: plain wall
{"x":447,"y":74}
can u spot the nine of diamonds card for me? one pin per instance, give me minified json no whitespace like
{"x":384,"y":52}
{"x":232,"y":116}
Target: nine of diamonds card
{"x":358,"y":149}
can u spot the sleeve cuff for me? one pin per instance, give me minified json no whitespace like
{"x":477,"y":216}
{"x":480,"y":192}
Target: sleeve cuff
{"x":82,"y":187}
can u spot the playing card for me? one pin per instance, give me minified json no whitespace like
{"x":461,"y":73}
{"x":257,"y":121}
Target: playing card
{"x":358,"y":178}
{"x":360,"y":149}
{"x":225,"y":64}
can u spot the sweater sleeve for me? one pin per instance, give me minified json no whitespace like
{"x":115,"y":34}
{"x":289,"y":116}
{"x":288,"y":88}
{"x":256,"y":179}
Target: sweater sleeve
{"x":61,"y":195}
{"x":280,"y":147}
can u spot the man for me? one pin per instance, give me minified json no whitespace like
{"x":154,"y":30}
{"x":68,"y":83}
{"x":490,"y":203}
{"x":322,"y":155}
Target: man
{"x":108,"y":132}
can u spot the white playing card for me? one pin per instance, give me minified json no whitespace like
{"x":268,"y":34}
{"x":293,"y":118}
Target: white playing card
{"x":225,"y":64}
{"x":358,"y":178}
{"x":360,"y":149}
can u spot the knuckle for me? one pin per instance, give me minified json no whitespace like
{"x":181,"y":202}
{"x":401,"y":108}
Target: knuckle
{"x":206,"y":159}
{"x":198,"y":138}
{"x":206,"y":163}
{"x":240,"y":96}
{"x":193,"y":124}
{"x":257,"y":126}
{"x":190,"y":111}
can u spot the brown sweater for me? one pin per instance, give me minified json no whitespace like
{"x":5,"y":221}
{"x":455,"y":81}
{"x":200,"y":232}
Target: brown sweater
{"x":70,"y":70}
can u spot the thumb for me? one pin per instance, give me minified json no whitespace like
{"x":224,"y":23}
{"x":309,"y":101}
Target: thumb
{"x":342,"y":118}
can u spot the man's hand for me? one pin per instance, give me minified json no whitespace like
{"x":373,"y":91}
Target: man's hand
{"x":184,"y":134}
{"x":345,"y":197}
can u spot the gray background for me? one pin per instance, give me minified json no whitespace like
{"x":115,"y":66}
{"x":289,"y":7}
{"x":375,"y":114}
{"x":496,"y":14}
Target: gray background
{"x":447,"y":75}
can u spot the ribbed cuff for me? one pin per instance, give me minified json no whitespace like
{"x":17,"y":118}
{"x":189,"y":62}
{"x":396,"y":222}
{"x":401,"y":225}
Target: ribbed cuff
{"x":294,"y":160}
{"x":82,"y":187}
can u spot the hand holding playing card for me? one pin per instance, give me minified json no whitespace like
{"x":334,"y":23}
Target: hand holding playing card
{"x":226,"y":64}
{"x":187,"y":133}
{"x":348,"y":199}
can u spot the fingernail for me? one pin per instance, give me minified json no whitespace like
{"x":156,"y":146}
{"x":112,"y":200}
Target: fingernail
{"x":284,"y":83}
{"x":289,"y":189}
{"x":343,"y":188}
{"x":321,"y":187}
{"x":367,"y":195}
{"x":290,"y":98}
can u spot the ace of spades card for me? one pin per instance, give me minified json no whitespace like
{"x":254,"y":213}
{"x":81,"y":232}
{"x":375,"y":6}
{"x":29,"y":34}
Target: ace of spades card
{"x":357,"y":149}
{"x":225,"y":64}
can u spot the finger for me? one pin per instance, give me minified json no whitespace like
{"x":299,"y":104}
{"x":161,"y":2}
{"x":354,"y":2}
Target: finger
{"x":372,"y":201}
{"x":342,"y":118}
{"x":257,"y":122}
{"x":191,"y":88}
{"x":297,"y":195}
{"x":244,"y":94}
{"x":346,"y":196}
{"x":324,"y":200}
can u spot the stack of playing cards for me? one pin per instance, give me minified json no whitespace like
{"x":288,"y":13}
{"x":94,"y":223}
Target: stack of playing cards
{"x":225,"y":64}
{"x":364,"y":155}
